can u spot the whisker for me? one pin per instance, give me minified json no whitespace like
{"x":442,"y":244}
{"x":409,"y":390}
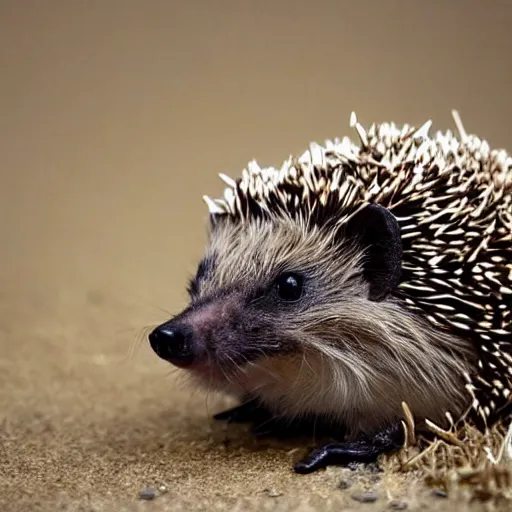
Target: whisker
{"x":138,"y":340}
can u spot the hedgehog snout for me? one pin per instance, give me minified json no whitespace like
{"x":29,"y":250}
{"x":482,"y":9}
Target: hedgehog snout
{"x":197,"y":333}
{"x":220,"y":331}
{"x":174,"y":343}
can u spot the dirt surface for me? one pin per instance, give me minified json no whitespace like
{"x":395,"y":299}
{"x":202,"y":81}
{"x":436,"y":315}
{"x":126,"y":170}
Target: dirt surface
{"x":115,"y":117}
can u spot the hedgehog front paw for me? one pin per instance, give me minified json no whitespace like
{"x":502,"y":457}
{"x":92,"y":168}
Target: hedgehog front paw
{"x":336,"y":454}
{"x":250,"y":411}
{"x":362,"y":451}
{"x":263,"y":423}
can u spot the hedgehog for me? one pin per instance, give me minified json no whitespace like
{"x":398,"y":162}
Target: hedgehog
{"x":354,"y":279}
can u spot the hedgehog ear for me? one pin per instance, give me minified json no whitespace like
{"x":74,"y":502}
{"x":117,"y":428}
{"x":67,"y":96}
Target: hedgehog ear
{"x":377,"y":229}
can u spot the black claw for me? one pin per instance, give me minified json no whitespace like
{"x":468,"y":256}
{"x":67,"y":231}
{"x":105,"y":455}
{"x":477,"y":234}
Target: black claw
{"x":344,"y":454}
{"x":337,"y":454}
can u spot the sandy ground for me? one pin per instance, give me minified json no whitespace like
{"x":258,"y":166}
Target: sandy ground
{"x":87,"y":426}
{"x":115,"y":117}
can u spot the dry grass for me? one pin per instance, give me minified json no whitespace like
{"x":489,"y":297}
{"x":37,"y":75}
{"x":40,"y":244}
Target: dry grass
{"x":462,"y":460}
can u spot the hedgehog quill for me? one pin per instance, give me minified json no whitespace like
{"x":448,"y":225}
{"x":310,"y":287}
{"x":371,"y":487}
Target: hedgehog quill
{"x":355,"y":278}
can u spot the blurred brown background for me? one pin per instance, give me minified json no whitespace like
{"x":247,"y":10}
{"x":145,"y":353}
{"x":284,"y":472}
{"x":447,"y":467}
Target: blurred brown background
{"x":115,"y":118}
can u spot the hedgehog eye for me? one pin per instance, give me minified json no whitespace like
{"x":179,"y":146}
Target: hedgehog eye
{"x":289,"y":286}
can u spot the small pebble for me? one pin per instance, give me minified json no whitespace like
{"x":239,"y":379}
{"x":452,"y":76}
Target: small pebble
{"x":365,"y":497}
{"x":149,"y":493}
{"x":272,"y":493}
{"x":344,"y":484}
{"x":440,"y":493}
{"x":398,"y":505}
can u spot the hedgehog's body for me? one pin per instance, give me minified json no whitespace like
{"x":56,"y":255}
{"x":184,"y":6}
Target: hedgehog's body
{"x":402,"y":251}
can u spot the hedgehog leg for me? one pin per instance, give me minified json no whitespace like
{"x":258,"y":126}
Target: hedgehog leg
{"x":285,"y":429}
{"x":362,"y":451}
{"x":249,"y":411}
{"x":265,"y":424}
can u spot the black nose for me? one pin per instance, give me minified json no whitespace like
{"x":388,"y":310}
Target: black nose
{"x":174,"y":344}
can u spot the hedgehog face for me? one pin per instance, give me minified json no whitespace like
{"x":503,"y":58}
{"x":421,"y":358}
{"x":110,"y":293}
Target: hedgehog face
{"x":256,"y":293}
{"x":305,"y":319}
